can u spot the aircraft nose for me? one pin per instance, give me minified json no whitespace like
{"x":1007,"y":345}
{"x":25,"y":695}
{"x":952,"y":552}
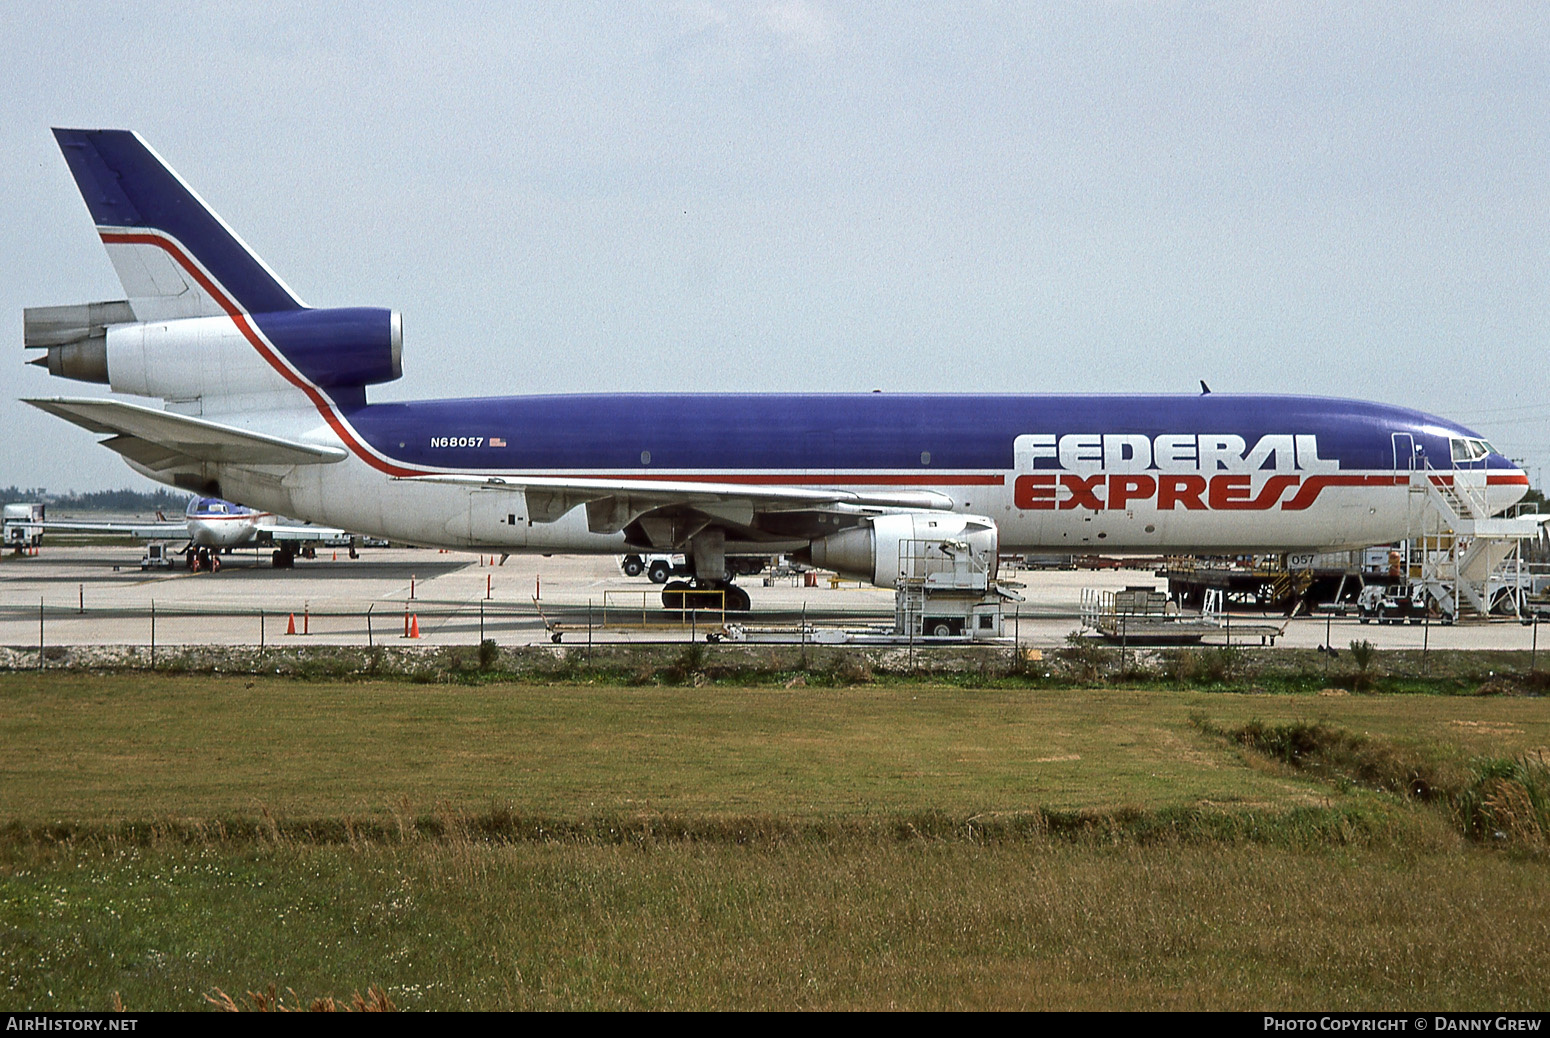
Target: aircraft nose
{"x":1506,"y":482}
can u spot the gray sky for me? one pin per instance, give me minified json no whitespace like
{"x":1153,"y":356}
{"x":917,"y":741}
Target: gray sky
{"x":810,"y":195}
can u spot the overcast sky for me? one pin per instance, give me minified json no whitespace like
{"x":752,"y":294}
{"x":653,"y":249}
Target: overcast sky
{"x":1129,"y":197}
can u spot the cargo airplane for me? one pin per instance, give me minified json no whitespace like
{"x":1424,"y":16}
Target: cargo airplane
{"x":265,"y":400}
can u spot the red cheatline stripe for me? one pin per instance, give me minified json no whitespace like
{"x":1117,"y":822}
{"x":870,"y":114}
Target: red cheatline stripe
{"x":1305,"y":497}
{"x":1314,"y":485}
{"x":835,"y":479}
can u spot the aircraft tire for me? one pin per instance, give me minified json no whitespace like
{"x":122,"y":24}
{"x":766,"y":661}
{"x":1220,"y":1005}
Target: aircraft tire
{"x":680,"y":595}
{"x":676,"y":596}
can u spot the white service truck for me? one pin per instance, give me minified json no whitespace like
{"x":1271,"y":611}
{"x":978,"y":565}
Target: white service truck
{"x":660,"y":568}
{"x":23,"y":526}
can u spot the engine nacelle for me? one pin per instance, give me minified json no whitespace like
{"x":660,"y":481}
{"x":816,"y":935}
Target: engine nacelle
{"x":212,"y":356}
{"x":889,"y":547}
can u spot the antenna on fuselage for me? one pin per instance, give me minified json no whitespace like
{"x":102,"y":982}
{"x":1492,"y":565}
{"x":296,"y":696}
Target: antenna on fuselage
{"x":1205,"y":390}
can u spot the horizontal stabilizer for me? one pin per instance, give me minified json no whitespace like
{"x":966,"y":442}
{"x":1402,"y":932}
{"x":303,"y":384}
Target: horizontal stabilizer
{"x":162,"y":440}
{"x":44,"y":327}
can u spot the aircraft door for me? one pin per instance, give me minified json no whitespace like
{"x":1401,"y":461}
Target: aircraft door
{"x":1406,"y":454}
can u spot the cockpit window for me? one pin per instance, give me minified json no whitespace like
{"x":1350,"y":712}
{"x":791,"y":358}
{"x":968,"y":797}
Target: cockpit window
{"x":208,"y":505}
{"x":1469,"y":450}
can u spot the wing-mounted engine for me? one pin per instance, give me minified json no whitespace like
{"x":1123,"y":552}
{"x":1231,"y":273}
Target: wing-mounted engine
{"x":191,"y":357}
{"x":887,"y":548}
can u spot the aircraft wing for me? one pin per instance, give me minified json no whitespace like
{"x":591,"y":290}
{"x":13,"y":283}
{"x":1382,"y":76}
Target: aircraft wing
{"x":162,"y":440}
{"x":277,"y":532}
{"x":614,"y":504}
{"x":154,"y":531}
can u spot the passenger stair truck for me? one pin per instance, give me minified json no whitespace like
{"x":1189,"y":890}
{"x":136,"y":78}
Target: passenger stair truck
{"x":1462,"y":559}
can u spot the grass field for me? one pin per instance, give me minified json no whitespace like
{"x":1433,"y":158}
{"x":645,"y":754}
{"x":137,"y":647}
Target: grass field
{"x":920,"y":846}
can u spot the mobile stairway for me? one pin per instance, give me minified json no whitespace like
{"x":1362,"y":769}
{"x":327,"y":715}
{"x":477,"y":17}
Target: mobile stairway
{"x":1466,"y":562}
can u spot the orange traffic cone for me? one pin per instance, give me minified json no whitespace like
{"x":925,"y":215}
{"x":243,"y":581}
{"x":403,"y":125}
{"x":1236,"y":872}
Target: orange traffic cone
{"x":414,"y":626}
{"x":290,"y":628}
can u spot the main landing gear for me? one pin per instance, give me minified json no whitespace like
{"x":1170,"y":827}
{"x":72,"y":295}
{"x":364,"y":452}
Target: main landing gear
{"x":716,"y":597}
{"x":284,"y":556}
{"x":710,"y":589}
{"x":203,"y":560}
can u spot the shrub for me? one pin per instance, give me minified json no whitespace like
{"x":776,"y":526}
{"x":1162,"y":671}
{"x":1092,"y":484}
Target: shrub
{"x":1363,"y":653}
{"x":1507,"y":799}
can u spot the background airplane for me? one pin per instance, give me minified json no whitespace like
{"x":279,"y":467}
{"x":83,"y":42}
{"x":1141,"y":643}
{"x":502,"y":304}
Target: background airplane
{"x":267,"y":400}
{"x":212,"y":525}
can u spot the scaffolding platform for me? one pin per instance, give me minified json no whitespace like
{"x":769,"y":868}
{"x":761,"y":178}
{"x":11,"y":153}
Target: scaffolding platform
{"x":945,"y":594}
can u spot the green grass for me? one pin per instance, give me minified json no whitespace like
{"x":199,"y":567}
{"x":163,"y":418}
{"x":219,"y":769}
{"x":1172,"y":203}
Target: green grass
{"x":520,"y":846}
{"x":85,"y":748}
{"x":95,"y":750}
{"x":911,"y":925}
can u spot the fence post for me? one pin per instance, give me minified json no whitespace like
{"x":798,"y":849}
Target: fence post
{"x":1328,"y":620}
{"x":1124,"y":641}
{"x":1017,"y":640}
{"x":260,"y":630}
{"x":1426,"y":644}
{"x":40,"y":633}
{"x":153,"y":634}
{"x":370,"y":644}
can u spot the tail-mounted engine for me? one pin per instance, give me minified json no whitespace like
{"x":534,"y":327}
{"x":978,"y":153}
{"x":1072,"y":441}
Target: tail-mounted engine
{"x":205,"y":356}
